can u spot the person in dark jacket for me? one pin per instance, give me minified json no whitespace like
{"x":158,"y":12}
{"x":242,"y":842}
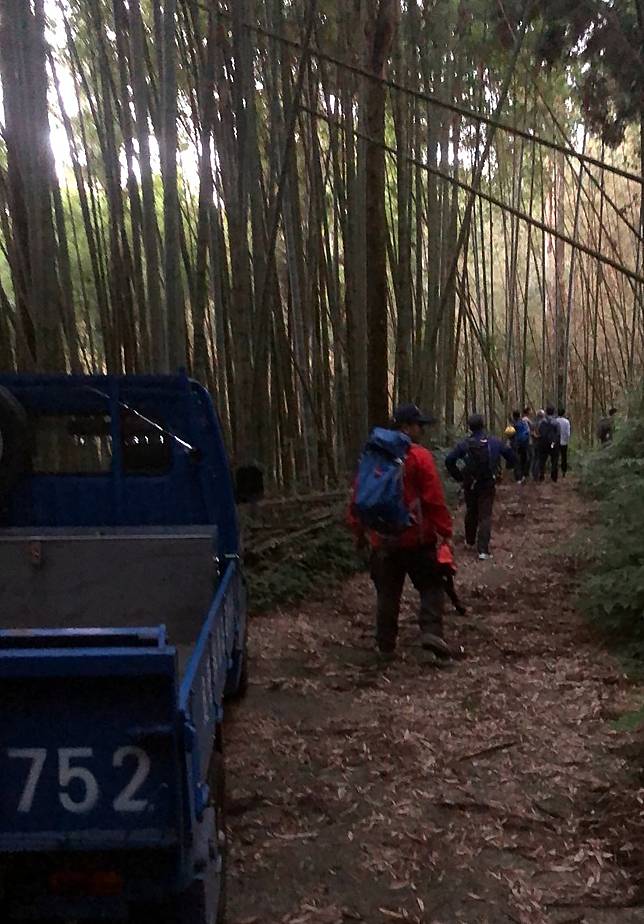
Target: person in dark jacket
{"x":479,"y":454}
{"x":549,"y":444}
{"x":606,"y":427}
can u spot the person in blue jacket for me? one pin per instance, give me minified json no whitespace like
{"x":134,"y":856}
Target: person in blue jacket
{"x":521,"y":447}
{"x":479,"y":455}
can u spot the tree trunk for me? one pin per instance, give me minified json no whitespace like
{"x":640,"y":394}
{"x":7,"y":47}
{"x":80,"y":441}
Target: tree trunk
{"x":176,"y":352}
{"x":381,"y":29}
{"x":30,"y":181}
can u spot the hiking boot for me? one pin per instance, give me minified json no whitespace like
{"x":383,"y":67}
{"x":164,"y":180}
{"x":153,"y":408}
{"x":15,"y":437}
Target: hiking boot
{"x":435,"y":643}
{"x":485,"y":556}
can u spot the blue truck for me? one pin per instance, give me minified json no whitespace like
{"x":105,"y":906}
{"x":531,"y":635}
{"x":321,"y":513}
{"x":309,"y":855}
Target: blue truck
{"x":122,"y":630}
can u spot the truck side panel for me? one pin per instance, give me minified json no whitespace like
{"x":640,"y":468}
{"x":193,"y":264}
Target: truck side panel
{"x":202,"y":688}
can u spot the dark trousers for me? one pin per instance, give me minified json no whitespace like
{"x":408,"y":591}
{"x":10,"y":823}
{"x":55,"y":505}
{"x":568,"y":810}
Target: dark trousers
{"x":479,"y":503}
{"x":522,"y":466}
{"x":564,"y":459}
{"x":552,"y":453}
{"x":389,"y":568}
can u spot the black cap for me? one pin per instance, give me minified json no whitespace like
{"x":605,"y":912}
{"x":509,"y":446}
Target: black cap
{"x":411,"y":413}
{"x":476,"y":422}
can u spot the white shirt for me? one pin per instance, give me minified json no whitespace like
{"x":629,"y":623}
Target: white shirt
{"x":564,"y":430}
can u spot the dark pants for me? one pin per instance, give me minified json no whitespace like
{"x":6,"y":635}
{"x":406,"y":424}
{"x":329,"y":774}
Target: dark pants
{"x":522,"y":466}
{"x":552,"y":453}
{"x":564,"y":460}
{"x":389,"y":568}
{"x":479,"y":502}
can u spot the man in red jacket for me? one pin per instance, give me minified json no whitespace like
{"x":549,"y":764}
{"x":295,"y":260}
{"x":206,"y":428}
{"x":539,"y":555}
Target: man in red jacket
{"x":412,"y":552}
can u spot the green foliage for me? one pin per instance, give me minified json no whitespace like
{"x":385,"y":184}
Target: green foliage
{"x":450,"y":487}
{"x":630,"y":721}
{"x":306,"y":573}
{"x":613,"y":592}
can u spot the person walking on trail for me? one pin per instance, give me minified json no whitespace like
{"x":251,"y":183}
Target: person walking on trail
{"x":526,"y":417}
{"x":548,"y":444}
{"x":398,"y":509}
{"x":539,"y":416}
{"x":606,"y":427}
{"x":521,"y":447}
{"x":564,"y":440}
{"x":479,"y":455}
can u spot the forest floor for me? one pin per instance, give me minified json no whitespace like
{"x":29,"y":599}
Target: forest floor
{"x":496,"y":789}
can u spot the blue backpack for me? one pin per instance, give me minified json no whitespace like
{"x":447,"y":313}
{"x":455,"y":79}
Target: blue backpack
{"x":379,"y":497}
{"x":522,"y":437}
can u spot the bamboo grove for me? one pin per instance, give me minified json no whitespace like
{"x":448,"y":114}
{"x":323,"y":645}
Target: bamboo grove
{"x":320,"y":208}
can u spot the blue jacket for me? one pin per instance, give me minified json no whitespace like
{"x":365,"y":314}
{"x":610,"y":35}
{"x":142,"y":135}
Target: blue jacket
{"x":497,"y":447}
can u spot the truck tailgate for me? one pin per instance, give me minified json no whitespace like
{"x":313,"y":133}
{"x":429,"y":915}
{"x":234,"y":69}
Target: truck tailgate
{"x":89,"y":741}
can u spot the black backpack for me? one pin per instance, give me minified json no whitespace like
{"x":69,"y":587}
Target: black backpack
{"x":604,"y":429}
{"x":549,"y":432}
{"x":478,"y":463}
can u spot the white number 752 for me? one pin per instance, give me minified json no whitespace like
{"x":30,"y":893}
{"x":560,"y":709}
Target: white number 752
{"x":68,"y":772}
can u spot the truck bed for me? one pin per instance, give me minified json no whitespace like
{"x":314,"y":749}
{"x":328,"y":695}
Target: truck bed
{"x":109,"y":578}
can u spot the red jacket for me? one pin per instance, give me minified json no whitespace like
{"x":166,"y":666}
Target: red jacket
{"x":424,"y":498}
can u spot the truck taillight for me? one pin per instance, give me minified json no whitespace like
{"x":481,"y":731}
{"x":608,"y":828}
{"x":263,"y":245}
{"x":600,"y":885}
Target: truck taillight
{"x":98,"y":883}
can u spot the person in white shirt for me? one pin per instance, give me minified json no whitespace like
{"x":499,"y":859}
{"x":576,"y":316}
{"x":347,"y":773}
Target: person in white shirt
{"x":564,"y":439}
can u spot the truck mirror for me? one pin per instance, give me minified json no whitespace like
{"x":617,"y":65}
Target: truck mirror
{"x":249,"y":484}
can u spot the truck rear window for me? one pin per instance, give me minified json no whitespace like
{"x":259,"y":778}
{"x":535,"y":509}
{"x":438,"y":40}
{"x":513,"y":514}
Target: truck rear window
{"x":67,"y":444}
{"x":81,"y":444}
{"x":146,"y":450}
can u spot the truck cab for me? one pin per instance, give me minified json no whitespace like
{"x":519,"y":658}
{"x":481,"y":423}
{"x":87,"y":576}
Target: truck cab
{"x":122,"y":629}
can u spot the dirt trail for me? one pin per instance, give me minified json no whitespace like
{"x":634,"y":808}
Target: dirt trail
{"x":494,"y":790}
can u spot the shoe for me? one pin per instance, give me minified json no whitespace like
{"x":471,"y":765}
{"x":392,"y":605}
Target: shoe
{"x":435,"y":643}
{"x":386,"y":655}
{"x":484,"y":556}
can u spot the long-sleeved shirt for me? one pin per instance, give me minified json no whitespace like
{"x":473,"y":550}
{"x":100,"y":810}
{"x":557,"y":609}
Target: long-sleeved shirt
{"x":564,"y":430}
{"x":425,"y":500}
{"x":496,"y":447}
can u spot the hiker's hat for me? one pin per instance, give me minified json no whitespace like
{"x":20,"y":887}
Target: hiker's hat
{"x":410,"y":414}
{"x":475,"y":422}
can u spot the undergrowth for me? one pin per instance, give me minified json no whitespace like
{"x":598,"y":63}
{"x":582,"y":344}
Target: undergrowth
{"x":613,"y":591}
{"x":306,"y":573}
